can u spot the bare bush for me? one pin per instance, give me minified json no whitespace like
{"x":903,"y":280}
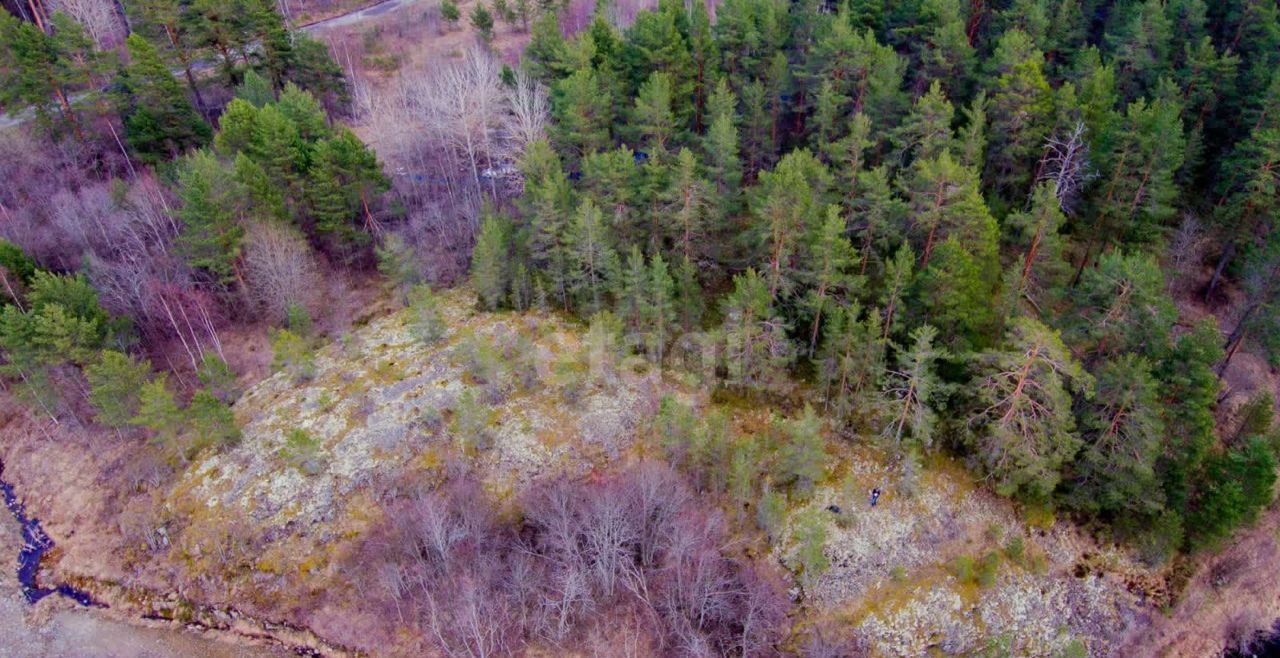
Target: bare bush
{"x":633,"y":545}
{"x":279,"y":268}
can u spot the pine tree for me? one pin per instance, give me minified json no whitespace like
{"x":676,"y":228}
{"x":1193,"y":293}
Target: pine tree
{"x":1121,"y":306}
{"x":1139,"y":38}
{"x":947,"y":51}
{"x":115,"y":383}
{"x":346,"y":180}
{"x":877,"y":220}
{"x":489,"y":262}
{"x":266,"y":201}
{"x":592,"y":262}
{"x":1035,"y":235}
{"x":255,"y":90}
{"x":450,"y":13}
{"x":757,"y":350}
{"x":848,"y":157}
{"x":652,"y":117}
{"x":166,"y":23}
{"x":863,"y":70}
{"x":1251,"y":208}
{"x":926,"y":131}
{"x":158,"y":413}
{"x":211,"y":422}
{"x":1021,"y":105}
{"x":222,"y":26}
{"x":898,"y":278}
{"x":16,"y":270}
{"x":802,"y":462}
{"x":425,"y":321}
{"x":306,"y":113}
{"x":160,"y":123}
{"x":955,"y":291}
{"x":851,"y":362}
{"x":971,"y":143}
{"x":656,"y":43}
{"x":211,"y":205}
{"x":1235,"y":486}
{"x":615,"y":183}
{"x":1123,"y":432}
{"x":44,"y":70}
{"x":944,"y":201}
{"x":1137,"y":192}
{"x":1189,"y":389}
{"x":277,"y":146}
{"x":827,"y":112}
{"x":659,"y":310}
{"x":546,"y":53}
{"x":237,"y":128}
{"x":1261,"y":283}
{"x":265,"y":27}
{"x":314,"y":70}
{"x":631,"y":292}
{"x":218,"y":378}
{"x":482,"y":21}
{"x":548,"y":198}
{"x":1022,"y":427}
{"x":912,"y":390}
{"x":828,"y":276}
{"x":787,"y":202}
{"x":688,"y":295}
{"x":397,"y":263}
{"x":687,"y":200}
{"x":583,"y":112}
{"x":758,"y":149}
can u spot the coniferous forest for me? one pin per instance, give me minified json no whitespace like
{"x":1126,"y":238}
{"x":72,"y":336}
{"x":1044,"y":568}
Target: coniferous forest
{"x":1023,"y":249}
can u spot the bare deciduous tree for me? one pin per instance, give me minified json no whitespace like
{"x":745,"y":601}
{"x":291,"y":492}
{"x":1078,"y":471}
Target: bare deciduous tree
{"x":280,"y":269}
{"x":1066,"y":164}
{"x":529,"y":116}
{"x":99,"y":19}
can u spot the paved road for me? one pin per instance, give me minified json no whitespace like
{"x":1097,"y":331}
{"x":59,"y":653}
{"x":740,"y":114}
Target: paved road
{"x":350,"y":18}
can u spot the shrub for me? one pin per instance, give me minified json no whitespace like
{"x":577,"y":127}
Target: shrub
{"x":449,"y":12}
{"x":771,"y":514}
{"x":988,"y":569}
{"x":218,"y":378}
{"x":298,"y":319}
{"x":425,"y":322}
{"x":1014,"y":549}
{"x":301,"y":451}
{"x":292,"y":355}
{"x":470,"y":425}
{"x":810,"y":534}
{"x":963,"y":569}
{"x":115,"y":381}
{"x":212,"y":423}
{"x":482,"y":21}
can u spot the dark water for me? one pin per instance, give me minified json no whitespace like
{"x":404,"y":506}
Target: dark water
{"x":35,"y":543}
{"x":1269,"y":647}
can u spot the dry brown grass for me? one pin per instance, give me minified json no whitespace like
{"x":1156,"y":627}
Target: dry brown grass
{"x":1232,"y":596}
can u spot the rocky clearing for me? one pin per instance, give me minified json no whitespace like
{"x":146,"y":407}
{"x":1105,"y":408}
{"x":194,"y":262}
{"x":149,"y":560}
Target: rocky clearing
{"x":254,"y":529}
